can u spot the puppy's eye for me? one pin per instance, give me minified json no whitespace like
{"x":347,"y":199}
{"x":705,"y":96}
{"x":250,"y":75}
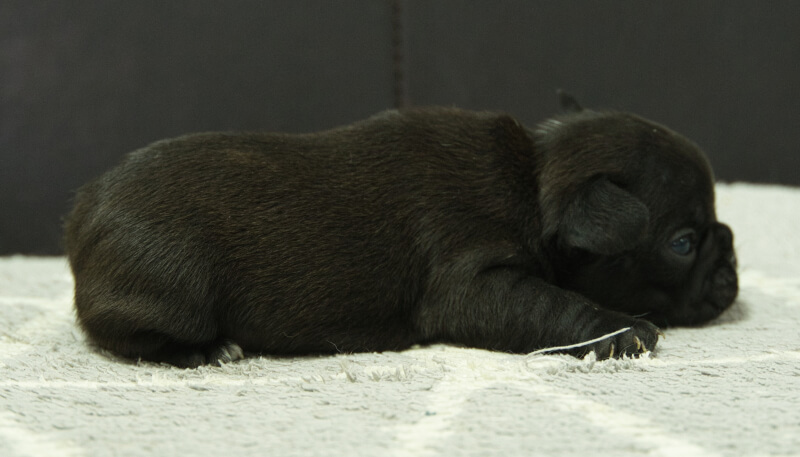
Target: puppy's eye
{"x":683,"y":244}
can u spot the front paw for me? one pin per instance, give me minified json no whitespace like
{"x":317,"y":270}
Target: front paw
{"x":611,"y":342}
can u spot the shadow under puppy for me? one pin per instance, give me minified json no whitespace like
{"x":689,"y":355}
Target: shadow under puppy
{"x":416,"y":226}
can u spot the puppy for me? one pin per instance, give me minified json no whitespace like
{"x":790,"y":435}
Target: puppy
{"x":411,"y":227}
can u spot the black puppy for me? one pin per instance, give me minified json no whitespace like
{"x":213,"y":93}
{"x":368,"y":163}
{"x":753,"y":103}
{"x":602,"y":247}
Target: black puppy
{"x":417,"y":226}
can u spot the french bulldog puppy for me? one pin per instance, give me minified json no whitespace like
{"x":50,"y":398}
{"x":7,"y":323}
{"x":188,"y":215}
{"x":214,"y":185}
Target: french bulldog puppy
{"x":410,"y":227}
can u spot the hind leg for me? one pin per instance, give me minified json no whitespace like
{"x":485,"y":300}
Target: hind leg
{"x":164,"y":329}
{"x":157,"y":347}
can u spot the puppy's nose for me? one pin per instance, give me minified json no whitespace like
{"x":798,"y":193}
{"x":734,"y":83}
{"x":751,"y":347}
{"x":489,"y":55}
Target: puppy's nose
{"x":723,"y":236}
{"x":732,"y":259}
{"x":724,"y":239}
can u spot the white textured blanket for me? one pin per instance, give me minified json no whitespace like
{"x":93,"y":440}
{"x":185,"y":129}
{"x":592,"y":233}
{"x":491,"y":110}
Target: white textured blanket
{"x":729,"y":388}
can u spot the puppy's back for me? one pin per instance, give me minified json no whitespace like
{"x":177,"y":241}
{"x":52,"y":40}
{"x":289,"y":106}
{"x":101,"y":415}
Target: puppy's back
{"x":289,"y":243}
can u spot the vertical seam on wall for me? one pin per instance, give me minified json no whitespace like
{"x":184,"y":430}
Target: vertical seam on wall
{"x":398,"y":55}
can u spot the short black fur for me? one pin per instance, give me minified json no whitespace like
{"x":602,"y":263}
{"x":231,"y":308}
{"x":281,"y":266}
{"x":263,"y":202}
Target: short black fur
{"x":414,"y":226}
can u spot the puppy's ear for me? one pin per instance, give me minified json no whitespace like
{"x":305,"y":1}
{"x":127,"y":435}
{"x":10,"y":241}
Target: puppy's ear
{"x":568,"y":102}
{"x":604,"y":219}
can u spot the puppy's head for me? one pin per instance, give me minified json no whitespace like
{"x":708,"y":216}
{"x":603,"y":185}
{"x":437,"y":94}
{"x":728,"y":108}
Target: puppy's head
{"x":628,"y":210}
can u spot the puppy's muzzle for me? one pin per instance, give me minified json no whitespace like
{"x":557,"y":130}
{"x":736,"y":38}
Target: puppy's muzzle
{"x":715,"y":274}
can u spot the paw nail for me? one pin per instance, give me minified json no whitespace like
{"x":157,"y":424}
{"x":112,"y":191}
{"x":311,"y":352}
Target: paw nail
{"x":611,"y":351}
{"x":638,"y":343}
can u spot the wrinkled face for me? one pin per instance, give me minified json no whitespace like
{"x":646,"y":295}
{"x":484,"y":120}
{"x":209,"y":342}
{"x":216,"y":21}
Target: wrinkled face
{"x":638,"y":234}
{"x":685,"y":278}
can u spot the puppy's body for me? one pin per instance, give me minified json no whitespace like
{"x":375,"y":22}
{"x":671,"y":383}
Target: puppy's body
{"x":409,"y":227}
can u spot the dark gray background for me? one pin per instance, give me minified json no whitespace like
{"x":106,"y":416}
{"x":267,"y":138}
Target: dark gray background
{"x":83,"y":82}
